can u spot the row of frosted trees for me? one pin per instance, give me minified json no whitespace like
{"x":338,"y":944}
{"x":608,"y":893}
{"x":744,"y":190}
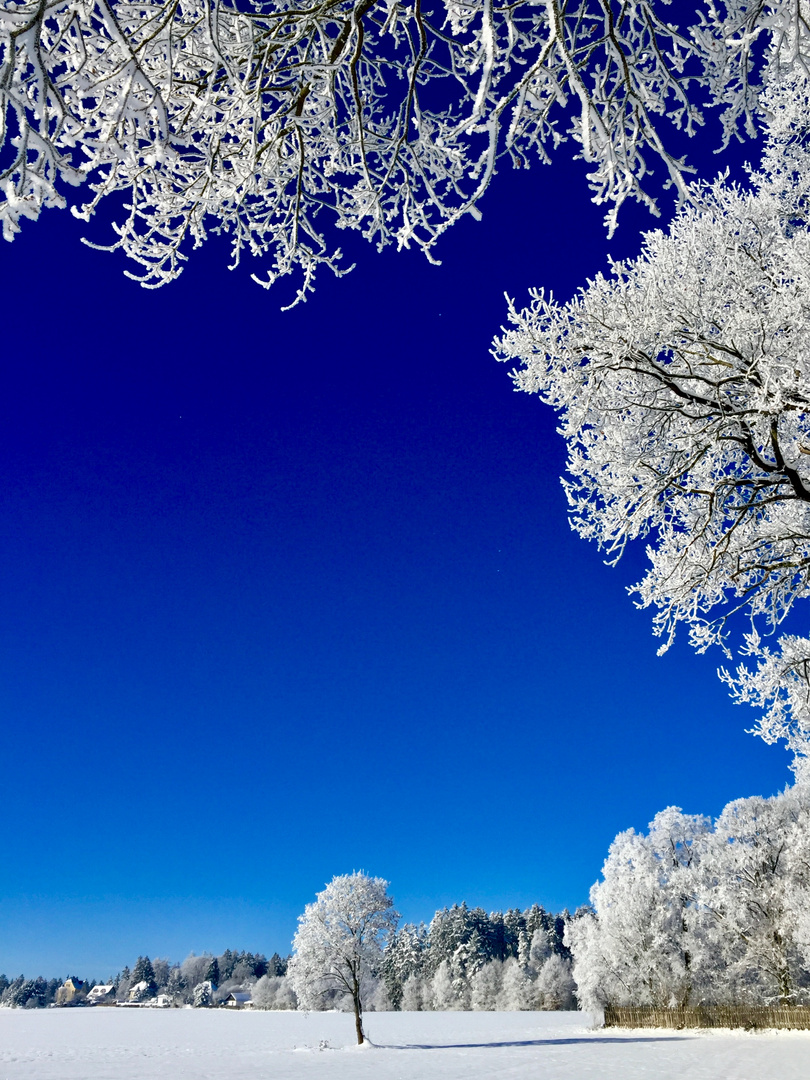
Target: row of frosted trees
{"x":464,"y":959}
{"x":698,"y":913}
{"x":200,"y":980}
{"x":467,"y":959}
{"x":22,"y":993}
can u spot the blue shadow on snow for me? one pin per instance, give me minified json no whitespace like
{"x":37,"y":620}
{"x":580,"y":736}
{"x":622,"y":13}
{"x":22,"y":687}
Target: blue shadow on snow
{"x":533,"y":1042}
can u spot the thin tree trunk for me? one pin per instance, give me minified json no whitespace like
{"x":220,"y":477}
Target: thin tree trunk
{"x":358,"y":1019}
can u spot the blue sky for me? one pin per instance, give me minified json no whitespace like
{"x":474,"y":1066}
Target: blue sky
{"x":291,"y":594}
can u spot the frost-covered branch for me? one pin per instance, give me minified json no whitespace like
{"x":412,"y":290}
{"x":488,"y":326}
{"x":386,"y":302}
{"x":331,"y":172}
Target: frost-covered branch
{"x":682,"y":381}
{"x":780,"y":687}
{"x":275,"y":121}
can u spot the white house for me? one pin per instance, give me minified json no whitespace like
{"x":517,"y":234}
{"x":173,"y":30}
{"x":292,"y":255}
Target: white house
{"x":239,"y":1000}
{"x":102,"y":995}
{"x":138,"y":992}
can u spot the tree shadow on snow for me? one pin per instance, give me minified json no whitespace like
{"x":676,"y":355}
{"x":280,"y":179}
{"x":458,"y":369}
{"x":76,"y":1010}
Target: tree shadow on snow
{"x":535,"y":1042}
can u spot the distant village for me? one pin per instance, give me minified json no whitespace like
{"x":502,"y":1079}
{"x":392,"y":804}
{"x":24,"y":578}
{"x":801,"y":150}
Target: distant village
{"x":74,"y":991}
{"x":233,"y":980}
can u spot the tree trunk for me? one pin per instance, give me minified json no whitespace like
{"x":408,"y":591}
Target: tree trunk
{"x":358,"y":1019}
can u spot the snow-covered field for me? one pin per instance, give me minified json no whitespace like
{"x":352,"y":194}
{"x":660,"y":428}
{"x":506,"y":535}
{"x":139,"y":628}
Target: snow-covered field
{"x":136,"y":1044}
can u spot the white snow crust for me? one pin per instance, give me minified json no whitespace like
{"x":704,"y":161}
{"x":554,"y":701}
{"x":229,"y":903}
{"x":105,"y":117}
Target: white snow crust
{"x":188,"y":1044}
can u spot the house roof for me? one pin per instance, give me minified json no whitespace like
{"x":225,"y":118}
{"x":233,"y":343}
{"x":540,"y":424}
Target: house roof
{"x":238,"y":995}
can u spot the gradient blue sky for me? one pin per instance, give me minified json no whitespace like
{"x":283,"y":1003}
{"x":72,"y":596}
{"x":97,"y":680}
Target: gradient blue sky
{"x":290,"y":594}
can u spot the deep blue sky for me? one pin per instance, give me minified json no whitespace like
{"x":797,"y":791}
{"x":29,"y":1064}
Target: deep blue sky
{"x":290,"y":594}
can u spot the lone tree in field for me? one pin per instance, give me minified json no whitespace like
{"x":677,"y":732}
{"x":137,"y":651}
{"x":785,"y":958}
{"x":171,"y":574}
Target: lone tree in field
{"x":339,"y":943}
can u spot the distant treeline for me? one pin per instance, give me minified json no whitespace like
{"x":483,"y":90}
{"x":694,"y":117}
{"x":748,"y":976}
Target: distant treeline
{"x":464,"y":959}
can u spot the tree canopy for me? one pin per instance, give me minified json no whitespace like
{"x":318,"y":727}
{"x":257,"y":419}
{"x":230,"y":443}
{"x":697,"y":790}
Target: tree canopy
{"x":681,"y":381}
{"x":695,"y":912}
{"x":339,"y":942}
{"x":680,"y":378}
{"x":269,"y":120}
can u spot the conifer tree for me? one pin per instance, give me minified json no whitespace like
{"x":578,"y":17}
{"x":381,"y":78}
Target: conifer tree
{"x":212,"y":973}
{"x":144,"y":972}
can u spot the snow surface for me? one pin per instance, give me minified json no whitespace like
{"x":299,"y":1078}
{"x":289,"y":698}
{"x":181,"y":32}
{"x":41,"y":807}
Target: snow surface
{"x":197,"y":1044}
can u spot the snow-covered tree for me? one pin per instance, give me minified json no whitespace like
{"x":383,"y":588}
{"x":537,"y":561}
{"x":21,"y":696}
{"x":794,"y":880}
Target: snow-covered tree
{"x":554,"y":986}
{"x":459,"y":934}
{"x":485,"y":987}
{"x":444,"y":987}
{"x":517,"y":991}
{"x":203,"y":995}
{"x":404,"y":957}
{"x":194,"y":967}
{"x":212,"y":973}
{"x":122,"y":984}
{"x":636,"y":948}
{"x":260,"y":120}
{"x":25,"y":993}
{"x":754,"y":881}
{"x":514,"y":923}
{"x":143,"y":972}
{"x":338,"y":947}
{"x":162,"y":971}
{"x":176,"y":986}
{"x":682,"y":381}
{"x":273,"y":992}
{"x":694,"y":913}
{"x":276,"y":965}
{"x":416,"y":995}
{"x":540,"y":949}
{"x":465,"y":943}
{"x":376,"y":997}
